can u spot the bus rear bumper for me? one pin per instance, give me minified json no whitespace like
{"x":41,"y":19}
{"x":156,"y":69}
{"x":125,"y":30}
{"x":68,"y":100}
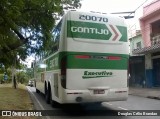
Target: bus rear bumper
{"x":86,"y":96}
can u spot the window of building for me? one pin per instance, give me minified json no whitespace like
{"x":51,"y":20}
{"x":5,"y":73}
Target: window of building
{"x":138,"y":45}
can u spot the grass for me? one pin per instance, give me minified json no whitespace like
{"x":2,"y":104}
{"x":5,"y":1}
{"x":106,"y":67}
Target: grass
{"x":15,"y":99}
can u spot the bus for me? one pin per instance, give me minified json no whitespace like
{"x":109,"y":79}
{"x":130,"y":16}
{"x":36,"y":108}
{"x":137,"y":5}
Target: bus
{"x":88,"y":60}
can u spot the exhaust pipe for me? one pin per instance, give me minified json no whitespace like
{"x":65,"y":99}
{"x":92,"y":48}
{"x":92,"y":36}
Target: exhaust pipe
{"x":79,"y":99}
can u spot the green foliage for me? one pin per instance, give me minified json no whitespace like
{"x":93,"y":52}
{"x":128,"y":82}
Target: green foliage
{"x":1,"y":77}
{"x":29,"y":72}
{"x":2,"y":69}
{"x":26,"y":26}
{"x":22,"y":77}
{"x":9,"y":74}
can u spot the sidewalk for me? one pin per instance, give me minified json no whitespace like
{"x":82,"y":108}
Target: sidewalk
{"x":153,"y":93}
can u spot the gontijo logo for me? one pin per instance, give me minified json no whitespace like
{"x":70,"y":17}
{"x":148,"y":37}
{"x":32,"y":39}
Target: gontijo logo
{"x":98,"y":31}
{"x":90,"y":30}
{"x":88,"y":74}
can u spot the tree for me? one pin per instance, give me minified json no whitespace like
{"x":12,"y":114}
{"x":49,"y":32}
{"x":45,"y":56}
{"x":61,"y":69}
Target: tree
{"x":29,"y":72}
{"x":22,"y":77}
{"x":26,"y":26}
{"x":7,"y":72}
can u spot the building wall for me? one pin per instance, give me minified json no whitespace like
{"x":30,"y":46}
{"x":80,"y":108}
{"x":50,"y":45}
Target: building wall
{"x":151,"y":14}
{"x":156,"y":30}
{"x":148,"y":61}
{"x":137,"y":71}
{"x":133,"y":43}
{"x":150,"y":8}
{"x":147,"y":29}
{"x":136,"y":63}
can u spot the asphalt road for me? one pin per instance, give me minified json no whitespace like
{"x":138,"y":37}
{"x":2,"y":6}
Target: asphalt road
{"x":133,"y":106}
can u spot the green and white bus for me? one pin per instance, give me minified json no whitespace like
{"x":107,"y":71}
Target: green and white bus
{"x":88,"y":61}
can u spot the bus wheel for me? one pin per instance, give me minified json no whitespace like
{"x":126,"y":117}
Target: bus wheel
{"x":52,"y":102}
{"x":47,"y":96}
{"x":37,"y":91}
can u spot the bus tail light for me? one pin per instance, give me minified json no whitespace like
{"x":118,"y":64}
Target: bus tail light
{"x":114,"y":58}
{"x":82,"y":56}
{"x":97,"y":57}
{"x":63,"y":72}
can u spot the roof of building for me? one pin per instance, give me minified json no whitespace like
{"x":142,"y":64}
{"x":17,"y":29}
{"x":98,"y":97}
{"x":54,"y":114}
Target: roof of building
{"x":135,"y":36}
{"x":151,"y":3}
{"x":151,"y":14}
{"x":146,"y":50}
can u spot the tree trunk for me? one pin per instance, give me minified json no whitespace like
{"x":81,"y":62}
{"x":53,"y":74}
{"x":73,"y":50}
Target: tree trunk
{"x":14,"y":82}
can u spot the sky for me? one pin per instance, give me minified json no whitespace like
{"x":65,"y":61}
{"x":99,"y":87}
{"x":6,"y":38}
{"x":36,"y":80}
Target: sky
{"x":111,"y":6}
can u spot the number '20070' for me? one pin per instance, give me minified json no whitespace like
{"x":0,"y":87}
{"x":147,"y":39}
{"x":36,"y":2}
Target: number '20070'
{"x":93,"y":18}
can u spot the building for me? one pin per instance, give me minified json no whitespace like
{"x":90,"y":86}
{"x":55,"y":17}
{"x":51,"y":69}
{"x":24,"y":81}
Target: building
{"x":136,"y":43}
{"x":150,"y":29}
{"x":136,"y":62}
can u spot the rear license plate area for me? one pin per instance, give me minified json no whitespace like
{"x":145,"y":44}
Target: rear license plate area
{"x":98,"y":91}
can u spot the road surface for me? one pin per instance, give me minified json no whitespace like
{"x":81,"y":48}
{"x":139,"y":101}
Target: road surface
{"x":134,"y":105}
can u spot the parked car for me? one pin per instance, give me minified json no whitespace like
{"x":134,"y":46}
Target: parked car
{"x":31,"y":83}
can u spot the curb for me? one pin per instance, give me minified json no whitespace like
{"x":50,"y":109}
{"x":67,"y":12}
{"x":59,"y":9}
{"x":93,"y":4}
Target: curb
{"x":150,"y":97}
{"x":138,"y":95}
{"x":153,"y":97}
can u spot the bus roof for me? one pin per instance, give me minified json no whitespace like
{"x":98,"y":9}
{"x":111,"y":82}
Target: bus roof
{"x":95,"y":17}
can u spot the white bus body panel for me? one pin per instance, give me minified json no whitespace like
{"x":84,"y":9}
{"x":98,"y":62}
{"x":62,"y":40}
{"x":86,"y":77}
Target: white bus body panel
{"x":115,"y":87}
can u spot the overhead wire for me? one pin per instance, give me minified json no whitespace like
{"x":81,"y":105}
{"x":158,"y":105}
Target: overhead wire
{"x":146,"y":28}
{"x":136,"y":10}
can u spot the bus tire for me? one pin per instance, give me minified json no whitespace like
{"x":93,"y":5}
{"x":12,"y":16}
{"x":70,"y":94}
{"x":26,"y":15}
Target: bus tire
{"x":47,"y":96}
{"x":52,"y":102}
{"x":37,"y":91}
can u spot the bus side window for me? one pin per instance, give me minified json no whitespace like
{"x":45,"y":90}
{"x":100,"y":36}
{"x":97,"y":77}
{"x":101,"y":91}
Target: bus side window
{"x":56,"y":37}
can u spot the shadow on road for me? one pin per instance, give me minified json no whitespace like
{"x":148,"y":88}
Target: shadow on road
{"x":86,"y":109}
{"x":83,"y":110}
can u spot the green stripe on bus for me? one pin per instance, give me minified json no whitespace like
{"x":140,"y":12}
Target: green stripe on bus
{"x":76,"y":63}
{"x":123,"y":31}
{"x":54,"y":63}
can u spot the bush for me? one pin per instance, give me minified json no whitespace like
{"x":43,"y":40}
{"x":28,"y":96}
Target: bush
{"x":1,"y":78}
{"x":22,"y":77}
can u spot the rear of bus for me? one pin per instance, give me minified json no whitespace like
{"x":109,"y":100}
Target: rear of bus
{"x":94,"y":58}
